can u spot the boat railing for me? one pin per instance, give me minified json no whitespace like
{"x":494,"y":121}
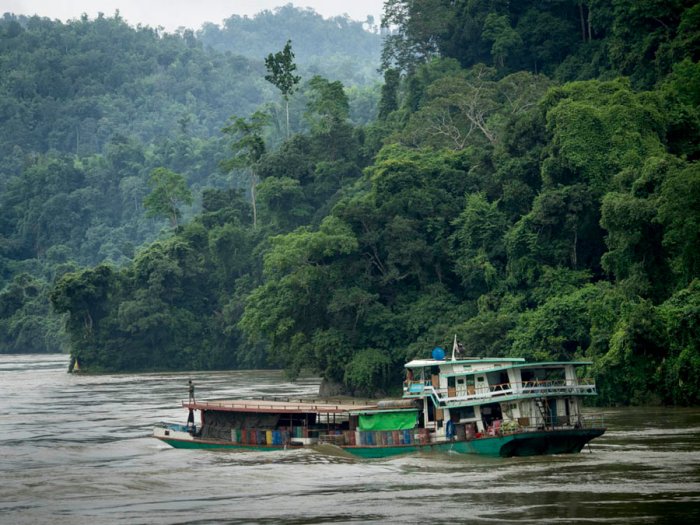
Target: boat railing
{"x":282,"y":405}
{"x":584,"y":386}
{"x":557,"y":386}
{"x":547,"y":423}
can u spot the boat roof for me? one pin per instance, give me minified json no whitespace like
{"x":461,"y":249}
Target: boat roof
{"x":539,"y":364}
{"x":513,"y":362}
{"x":375,"y":410}
{"x":420,"y":363}
{"x":277,"y":407}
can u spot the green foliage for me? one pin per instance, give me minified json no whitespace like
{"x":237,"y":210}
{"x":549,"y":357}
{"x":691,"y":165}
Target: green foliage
{"x":648,"y":37}
{"x":164,"y":310}
{"x":368,"y":370}
{"x":527,"y":215}
{"x":417,"y":26}
{"x":248,"y":148}
{"x":569,"y":40}
{"x":72,"y":87}
{"x":23,"y":310}
{"x":168,"y":192}
{"x":390,"y":93}
{"x":461,"y":108}
{"x":505,"y":41}
{"x":587,"y":118}
{"x":248,"y":144}
{"x":328,"y":106}
{"x":559,"y":329}
{"x":280,"y":67}
{"x":681,"y":318}
{"x":479,"y":248}
{"x":295,"y":268}
{"x":337,"y":47}
{"x":679,"y":212}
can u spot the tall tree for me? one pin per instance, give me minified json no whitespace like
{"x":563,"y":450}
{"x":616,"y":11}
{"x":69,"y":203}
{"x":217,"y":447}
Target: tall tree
{"x":248,"y":148}
{"x":281,"y":67}
{"x":170,"y":191}
{"x":390,"y":93}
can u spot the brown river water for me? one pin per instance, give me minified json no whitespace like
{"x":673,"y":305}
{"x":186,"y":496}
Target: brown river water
{"x":75,"y":449}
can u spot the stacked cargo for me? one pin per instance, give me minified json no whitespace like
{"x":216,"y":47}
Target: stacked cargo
{"x":385,"y":437}
{"x":259,"y":437}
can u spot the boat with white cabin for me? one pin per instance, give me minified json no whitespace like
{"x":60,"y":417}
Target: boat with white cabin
{"x":471,"y":405}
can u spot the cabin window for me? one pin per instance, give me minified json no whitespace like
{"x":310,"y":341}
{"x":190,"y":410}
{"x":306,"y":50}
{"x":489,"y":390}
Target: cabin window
{"x":471,"y":389}
{"x":462,"y":413}
{"x":451,"y":389}
{"x":490,"y":413}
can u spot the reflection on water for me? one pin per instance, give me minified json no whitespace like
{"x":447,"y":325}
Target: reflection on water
{"x":75,"y":449}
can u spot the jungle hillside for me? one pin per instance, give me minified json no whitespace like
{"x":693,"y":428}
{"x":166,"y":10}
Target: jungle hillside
{"x":521,"y":174}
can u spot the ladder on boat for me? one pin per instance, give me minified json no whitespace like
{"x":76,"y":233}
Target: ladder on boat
{"x":543,"y":408}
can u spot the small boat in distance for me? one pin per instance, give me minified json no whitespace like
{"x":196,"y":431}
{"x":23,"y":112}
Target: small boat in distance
{"x":491,"y":406}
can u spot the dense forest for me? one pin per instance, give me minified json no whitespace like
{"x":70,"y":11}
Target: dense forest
{"x":90,"y":108}
{"x":530,"y":183}
{"x":337,"y":48}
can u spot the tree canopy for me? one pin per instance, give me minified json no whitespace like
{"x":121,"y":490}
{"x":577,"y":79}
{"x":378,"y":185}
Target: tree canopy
{"x":530,"y":184}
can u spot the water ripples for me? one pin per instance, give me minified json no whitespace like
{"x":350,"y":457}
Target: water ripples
{"x":75,"y":450}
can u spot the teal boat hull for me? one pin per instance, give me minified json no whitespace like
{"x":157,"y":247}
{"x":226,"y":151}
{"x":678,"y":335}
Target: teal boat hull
{"x":538,"y":443}
{"x":222,"y":445}
{"x":383,"y":451}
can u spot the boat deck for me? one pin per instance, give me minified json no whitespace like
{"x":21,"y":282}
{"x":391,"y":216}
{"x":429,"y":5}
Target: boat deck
{"x":276,"y":406}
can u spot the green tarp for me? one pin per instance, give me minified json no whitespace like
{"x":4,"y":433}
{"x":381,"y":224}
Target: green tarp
{"x":402,"y":420}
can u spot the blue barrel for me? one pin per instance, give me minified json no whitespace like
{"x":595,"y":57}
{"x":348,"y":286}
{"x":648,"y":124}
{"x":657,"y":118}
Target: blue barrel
{"x":438,"y":354}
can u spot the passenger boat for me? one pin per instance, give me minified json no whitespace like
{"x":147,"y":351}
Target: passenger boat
{"x":491,"y":406}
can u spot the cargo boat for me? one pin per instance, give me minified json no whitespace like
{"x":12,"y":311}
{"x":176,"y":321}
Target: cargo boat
{"x":490,"y":406}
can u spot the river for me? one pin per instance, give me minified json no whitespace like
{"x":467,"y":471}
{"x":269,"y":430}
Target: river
{"x":75,"y":449}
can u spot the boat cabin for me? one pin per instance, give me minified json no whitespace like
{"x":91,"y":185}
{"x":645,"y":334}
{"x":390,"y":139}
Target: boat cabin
{"x":471,"y":397}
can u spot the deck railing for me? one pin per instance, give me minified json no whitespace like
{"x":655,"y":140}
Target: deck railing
{"x":282,"y":404}
{"x":585,"y":386}
{"x":549,"y":423}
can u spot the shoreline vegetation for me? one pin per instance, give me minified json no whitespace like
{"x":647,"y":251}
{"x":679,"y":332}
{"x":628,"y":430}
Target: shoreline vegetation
{"x":530,"y":184}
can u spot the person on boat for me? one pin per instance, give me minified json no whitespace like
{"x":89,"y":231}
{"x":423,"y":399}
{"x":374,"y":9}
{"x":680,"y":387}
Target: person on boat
{"x":191,"y":390}
{"x":450,"y":430}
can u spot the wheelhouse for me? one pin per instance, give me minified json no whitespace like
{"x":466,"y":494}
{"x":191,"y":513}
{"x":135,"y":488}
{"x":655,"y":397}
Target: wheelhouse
{"x":487,"y":396}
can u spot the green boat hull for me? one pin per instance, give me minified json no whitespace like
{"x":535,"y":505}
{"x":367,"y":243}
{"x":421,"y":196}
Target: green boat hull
{"x":222,"y":445}
{"x":545,"y":442}
{"x":538,"y":443}
{"x":382,"y":451}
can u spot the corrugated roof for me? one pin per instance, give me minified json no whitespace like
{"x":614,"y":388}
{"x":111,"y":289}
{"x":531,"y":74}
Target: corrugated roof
{"x":277,"y":407}
{"x":417,"y":363}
